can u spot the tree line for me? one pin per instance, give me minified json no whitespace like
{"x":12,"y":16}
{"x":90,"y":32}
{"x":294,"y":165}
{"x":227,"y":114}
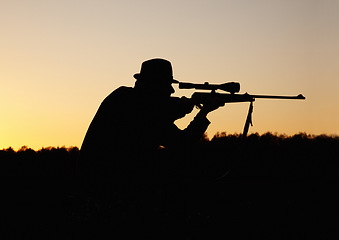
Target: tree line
{"x":263,"y":186}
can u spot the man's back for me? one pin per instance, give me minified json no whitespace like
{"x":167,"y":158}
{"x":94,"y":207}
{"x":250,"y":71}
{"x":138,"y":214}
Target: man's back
{"x":122,"y":168}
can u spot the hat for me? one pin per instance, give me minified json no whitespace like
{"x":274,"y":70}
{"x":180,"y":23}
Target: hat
{"x":154,"y":69}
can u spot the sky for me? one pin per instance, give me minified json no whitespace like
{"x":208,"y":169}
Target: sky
{"x":60,"y":59}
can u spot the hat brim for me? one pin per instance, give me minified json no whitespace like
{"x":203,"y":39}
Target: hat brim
{"x":138,"y":76}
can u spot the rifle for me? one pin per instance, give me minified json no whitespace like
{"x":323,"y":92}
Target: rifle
{"x":199,"y":98}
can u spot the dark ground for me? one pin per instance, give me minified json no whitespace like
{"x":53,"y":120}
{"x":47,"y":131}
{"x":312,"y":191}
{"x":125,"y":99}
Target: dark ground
{"x":277,"y":188}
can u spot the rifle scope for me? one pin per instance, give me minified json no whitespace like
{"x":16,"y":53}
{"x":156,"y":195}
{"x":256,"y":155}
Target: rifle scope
{"x":231,"y":87}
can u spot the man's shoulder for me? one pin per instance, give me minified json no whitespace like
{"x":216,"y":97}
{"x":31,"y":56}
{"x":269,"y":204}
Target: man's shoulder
{"x":120,"y":93}
{"x":123,"y":90}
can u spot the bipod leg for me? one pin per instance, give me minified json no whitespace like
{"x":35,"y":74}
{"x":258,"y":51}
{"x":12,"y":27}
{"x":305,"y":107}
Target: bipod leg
{"x":248,"y":120}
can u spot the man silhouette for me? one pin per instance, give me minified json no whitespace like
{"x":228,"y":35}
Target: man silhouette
{"x":121,"y":159}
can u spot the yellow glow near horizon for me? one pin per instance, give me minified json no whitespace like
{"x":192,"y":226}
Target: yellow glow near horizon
{"x":60,"y":59}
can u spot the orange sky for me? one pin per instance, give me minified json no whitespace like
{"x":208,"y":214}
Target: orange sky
{"x":60,"y":59}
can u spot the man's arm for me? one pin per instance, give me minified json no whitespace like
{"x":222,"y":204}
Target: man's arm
{"x":195,"y":130}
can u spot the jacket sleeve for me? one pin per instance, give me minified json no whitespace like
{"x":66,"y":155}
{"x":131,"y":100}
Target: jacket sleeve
{"x":175,"y":137}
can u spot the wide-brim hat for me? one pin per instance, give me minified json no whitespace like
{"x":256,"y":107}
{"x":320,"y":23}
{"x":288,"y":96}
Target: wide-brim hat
{"x":156,"y":69}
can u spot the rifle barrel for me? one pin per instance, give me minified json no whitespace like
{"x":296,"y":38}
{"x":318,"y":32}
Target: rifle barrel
{"x":300,"y":96}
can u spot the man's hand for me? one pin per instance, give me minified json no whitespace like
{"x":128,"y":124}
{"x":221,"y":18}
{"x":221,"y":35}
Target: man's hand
{"x":213,"y":103}
{"x":179,"y":107}
{"x":187,"y":105}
